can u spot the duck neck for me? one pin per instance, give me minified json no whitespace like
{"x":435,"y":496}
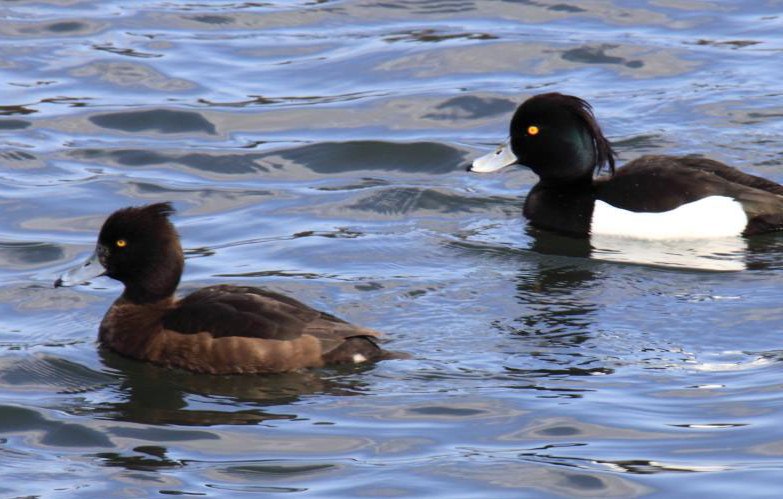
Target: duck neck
{"x":153,"y":286}
{"x":141,"y":296}
{"x":583,"y":183}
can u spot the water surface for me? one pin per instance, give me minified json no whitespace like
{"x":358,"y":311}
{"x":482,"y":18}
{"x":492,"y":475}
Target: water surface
{"x":318,"y":148}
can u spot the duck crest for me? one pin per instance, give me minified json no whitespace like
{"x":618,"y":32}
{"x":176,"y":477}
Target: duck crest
{"x":604,"y":154}
{"x":141,"y":214}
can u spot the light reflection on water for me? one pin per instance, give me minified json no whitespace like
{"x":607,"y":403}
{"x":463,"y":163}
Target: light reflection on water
{"x":318,"y":148}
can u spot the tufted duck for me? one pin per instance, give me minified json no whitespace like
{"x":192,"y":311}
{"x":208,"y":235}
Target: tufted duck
{"x":221,"y":329}
{"x":652,"y":197}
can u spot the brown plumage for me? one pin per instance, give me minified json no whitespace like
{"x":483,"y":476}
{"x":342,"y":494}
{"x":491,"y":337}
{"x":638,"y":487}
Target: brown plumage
{"x":220,"y":329}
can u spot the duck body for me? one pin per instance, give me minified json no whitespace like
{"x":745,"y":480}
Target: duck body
{"x":221,"y":329}
{"x":655,"y":197}
{"x":234,"y":330}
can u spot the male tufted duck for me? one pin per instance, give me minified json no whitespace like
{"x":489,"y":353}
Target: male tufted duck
{"x":219,"y":329}
{"x":652,"y":197}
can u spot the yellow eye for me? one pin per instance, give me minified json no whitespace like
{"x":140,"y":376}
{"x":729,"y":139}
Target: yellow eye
{"x":532,"y":130}
{"x":121,"y":243}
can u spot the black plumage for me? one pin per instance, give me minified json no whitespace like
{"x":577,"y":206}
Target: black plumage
{"x":558,"y":137}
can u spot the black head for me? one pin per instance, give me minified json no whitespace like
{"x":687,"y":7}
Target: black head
{"x":558,"y":137}
{"x":140,"y":247}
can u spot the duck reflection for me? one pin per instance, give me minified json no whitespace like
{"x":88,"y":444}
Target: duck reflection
{"x":710,"y":254}
{"x":557,"y":318}
{"x":562,"y":290}
{"x":764,"y":252}
{"x":147,"y":458}
{"x":557,"y":308}
{"x":154,"y":395}
{"x":560,"y":314}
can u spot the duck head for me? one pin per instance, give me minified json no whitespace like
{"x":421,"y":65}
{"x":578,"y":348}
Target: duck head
{"x":556,"y":136}
{"x":139,"y":247}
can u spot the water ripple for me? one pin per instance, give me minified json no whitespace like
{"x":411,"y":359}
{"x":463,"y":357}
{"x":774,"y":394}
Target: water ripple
{"x":318,"y":148}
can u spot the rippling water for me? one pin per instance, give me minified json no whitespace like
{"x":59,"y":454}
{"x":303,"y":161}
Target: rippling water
{"x":318,"y":148}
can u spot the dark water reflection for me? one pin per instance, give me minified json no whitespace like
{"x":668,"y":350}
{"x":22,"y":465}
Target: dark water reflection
{"x":159,"y":120}
{"x":318,"y":148}
{"x":324,"y":158}
{"x":21,"y":254}
{"x":152,"y":395}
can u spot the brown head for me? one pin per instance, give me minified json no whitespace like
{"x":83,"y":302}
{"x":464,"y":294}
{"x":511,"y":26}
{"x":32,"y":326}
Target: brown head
{"x":139,"y":247}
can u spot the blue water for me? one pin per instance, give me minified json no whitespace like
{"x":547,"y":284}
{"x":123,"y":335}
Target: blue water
{"x":319,"y":148}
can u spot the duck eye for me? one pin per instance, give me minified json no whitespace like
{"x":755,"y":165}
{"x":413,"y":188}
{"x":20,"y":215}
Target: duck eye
{"x":533,"y":130}
{"x":121,"y":243}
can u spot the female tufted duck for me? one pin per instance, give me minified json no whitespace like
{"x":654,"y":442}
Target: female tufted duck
{"x":220,"y":329}
{"x":652,"y":197}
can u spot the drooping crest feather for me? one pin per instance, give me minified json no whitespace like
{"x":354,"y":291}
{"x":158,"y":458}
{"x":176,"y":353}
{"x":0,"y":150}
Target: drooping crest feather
{"x":604,"y":154}
{"x":162,"y":210}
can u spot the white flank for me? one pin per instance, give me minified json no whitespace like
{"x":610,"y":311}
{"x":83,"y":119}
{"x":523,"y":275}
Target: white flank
{"x":359,"y":358}
{"x":714,"y":216}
